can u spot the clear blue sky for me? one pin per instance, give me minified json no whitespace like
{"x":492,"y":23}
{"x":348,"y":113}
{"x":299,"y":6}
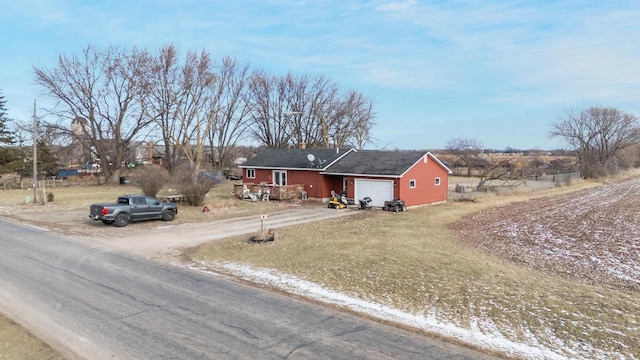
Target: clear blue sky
{"x":497,"y":71}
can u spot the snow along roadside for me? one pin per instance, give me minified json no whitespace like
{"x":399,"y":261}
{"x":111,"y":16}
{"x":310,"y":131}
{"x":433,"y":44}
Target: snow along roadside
{"x":475,"y":337}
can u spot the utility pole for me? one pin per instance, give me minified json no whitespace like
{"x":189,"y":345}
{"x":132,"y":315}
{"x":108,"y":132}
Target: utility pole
{"x":35,"y":154}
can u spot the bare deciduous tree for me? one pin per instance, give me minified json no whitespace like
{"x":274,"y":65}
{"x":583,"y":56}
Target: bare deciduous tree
{"x":184,"y":103}
{"x":316,"y":101}
{"x":311,"y":111}
{"x":107,"y":89}
{"x":598,"y":135}
{"x":503,"y":167}
{"x":335,"y":119}
{"x":360,"y":119}
{"x":196,"y":109}
{"x":164,"y":74}
{"x":466,"y":151}
{"x":114,"y":95}
{"x":268,"y":110}
{"x":232,"y":115}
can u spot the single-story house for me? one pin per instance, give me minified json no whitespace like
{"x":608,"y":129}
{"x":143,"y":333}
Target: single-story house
{"x":413,"y":176}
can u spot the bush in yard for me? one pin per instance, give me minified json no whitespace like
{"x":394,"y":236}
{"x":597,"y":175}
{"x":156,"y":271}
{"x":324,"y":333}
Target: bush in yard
{"x":50,"y":197}
{"x":150,"y":179}
{"x":195,"y":190}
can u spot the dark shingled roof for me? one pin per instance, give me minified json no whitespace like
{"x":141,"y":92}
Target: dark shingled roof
{"x":376,"y":162}
{"x":295,"y":158}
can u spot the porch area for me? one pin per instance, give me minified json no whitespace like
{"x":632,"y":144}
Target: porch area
{"x":264,"y":191}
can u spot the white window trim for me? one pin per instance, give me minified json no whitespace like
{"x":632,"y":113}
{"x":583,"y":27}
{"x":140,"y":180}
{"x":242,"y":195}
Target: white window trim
{"x":438,"y":181}
{"x":281,"y":172}
{"x":414,"y":184}
{"x":251,"y":172}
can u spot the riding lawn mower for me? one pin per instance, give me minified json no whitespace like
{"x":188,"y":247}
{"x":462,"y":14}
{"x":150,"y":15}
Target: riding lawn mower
{"x":337,"y":201}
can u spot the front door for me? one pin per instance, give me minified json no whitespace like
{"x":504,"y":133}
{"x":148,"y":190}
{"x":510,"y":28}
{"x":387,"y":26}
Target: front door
{"x":279,"y":177}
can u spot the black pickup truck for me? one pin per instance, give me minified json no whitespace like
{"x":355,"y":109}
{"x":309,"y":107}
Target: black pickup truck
{"x":133,"y":208}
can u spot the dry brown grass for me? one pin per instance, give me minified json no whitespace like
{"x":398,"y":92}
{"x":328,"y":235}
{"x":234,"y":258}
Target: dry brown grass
{"x":17,"y":343}
{"x":414,"y":262}
{"x":220,"y":201}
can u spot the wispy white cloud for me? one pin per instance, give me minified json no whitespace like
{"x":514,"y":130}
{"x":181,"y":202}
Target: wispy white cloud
{"x":396,"y":6}
{"x":527,"y":43}
{"x":493,"y":54}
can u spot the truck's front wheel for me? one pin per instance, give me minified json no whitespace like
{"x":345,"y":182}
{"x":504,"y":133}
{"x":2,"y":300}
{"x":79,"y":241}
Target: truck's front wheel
{"x":121,"y":220}
{"x":168,"y":215}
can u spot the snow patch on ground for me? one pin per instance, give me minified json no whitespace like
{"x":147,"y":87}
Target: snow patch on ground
{"x":490,"y":339}
{"x":594,"y":235}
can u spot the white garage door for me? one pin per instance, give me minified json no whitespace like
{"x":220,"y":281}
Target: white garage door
{"x":378,"y":190}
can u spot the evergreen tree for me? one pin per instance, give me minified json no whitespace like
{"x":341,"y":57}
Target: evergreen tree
{"x":47,"y":161}
{"x":10,"y":156}
{"x":6,"y":136}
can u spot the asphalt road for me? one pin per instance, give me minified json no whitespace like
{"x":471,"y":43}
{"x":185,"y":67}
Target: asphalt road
{"x":94,"y":303}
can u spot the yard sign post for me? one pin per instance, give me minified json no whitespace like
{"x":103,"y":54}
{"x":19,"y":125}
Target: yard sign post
{"x":262,"y":217}
{"x":35,"y":154}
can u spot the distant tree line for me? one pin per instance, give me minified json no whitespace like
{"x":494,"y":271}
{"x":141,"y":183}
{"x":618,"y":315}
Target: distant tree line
{"x":194,"y":104}
{"x":603,"y":141}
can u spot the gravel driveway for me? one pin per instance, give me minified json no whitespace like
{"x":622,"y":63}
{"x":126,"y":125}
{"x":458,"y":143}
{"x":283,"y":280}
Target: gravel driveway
{"x":164,"y":240}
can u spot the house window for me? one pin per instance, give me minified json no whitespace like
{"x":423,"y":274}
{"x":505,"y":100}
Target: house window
{"x":280,"y":177}
{"x":412,"y":184}
{"x":437,"y":181}
{"x":251,"y":173}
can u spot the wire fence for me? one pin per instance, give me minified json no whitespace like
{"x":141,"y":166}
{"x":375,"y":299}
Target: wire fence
{"x":555,"y":180}
{"x":527,"y":183}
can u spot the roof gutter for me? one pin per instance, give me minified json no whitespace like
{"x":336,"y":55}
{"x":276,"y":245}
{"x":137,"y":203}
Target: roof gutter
{"x":362,"y":175}
{"x":280,"y":168}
